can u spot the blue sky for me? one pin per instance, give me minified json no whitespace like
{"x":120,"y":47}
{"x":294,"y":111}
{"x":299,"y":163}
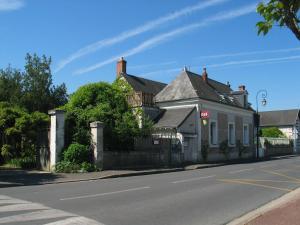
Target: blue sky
{"x":158,"y":38}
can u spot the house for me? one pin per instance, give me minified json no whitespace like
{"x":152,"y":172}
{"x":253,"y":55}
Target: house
{"x":144,"y":90}
{"x":203,"y":114}
{"x":288,"y":121}
{"x":222,"y":116}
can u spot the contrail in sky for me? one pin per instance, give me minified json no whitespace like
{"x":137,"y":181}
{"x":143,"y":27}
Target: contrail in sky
{"x":152,"y":42}
{"x":136,"y":31}
{"x":242,"y":62}
{"x":249,"y":53}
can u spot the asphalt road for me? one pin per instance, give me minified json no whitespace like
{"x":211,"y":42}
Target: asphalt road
{"x":206,"y":196}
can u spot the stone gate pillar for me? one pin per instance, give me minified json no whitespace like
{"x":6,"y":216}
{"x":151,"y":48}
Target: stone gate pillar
{"x":57,"y":135}
{"x":97,"y":143}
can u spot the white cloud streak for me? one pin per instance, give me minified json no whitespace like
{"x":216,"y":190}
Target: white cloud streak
{"x":255,"y":61}
{"x":136,"y":31}
{"x":10,"y":5}
{"x":231,"y":64}
{"x":287,"y":50}
{"x":152,"y":42}
{"x":152,"y":65}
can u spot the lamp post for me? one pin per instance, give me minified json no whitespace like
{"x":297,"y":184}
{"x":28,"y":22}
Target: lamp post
{"x":263,"y":94}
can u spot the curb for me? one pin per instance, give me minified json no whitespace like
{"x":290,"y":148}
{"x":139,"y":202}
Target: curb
{"x":248,"y":217}
{"x":111,"y":176}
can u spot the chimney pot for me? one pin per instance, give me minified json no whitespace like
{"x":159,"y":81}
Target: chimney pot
{"x":242,"y":88}
{"x":204,"y":75}
{"x":121,"y":67}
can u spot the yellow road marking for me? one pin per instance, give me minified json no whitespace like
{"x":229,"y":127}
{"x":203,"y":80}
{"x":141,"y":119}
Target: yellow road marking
{"x":254,"y":184}
{"x":281,"y":175}
{"x":273,"y":181}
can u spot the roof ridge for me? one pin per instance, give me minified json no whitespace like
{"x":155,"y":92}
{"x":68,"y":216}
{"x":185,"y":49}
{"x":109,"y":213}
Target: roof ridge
{"x":196,"y":74}
{"x":144,"y":78}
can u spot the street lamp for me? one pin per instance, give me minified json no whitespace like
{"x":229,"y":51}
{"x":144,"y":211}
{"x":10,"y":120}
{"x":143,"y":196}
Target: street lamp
{"x":263,"y":94}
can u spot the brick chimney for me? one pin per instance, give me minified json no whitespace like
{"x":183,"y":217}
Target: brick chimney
{"x":121,"y":66}
{"x":242,"y":88}
{"x":204,"y":75}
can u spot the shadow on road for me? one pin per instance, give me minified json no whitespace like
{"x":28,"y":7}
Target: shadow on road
{"x":12,"y":178}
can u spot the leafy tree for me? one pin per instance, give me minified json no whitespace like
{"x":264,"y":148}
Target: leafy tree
{"x":39,"y":92}
{"x":284,"y":13}
{"x":19,"y":130}
{"x":101,"y":102}
{"x":273,"y":132}
{"x":11,"y":86}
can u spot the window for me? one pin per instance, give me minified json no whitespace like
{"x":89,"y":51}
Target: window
{"x":213,"y":134}
{"x":231,"y":134}
{"x":246,"y":134}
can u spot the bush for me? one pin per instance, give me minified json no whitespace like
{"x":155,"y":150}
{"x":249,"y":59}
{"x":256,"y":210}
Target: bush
{"x":6,"y":152}
{"x":87,"y":167}
{"x":71,"y":167}
{"x":77,"y":153}
{"x":24,"y":163}
{"x":67,"y":167}
{"x":272,"y":132}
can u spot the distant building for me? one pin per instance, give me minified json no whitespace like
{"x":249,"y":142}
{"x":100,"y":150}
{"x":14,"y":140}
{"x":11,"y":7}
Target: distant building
{"x":288,"y":121}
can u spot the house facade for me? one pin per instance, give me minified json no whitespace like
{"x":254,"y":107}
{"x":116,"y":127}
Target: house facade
{"x":210,"y":120}
{"x":223,"y":117}
{"x":287,"y":121}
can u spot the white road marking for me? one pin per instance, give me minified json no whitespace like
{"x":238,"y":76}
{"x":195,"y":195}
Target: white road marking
{"x":15,"y":205}
{"x":21,"y":207}
{"x":103,"y":194}
{"x":192,"y":179}
{"x":37,"y":215}
{"x":266,"y":166}
{"x":240,"y":171}
{"x":12,"y":201}
{"x":76,"y":221}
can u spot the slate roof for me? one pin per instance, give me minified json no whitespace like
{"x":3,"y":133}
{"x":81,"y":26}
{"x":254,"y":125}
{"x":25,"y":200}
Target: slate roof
{"x":191,"y":85}
{"x":140,"y":84}
{"x":279,"y":118}
{"x":173,"y":118}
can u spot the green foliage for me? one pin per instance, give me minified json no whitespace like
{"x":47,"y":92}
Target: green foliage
{"x":101,"y":102}
{"x":32,"y":89}
{"x":6,"y":151}
{"x":27,"y":162}
{"x":87,"y":167}
{"x":204,"y":150}
{"x":77,"y":153}
{"x":11,"y":86}
{"x":71,"y":167}
{"x":67,"y":167}
{"x":272,"y":132}
{"x":279,"y":12}
{"x":25,"y":97}
{"x":19,"y":130}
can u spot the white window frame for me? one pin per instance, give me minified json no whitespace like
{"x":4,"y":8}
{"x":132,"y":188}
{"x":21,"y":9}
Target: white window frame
{"x":234,"y":134}
{"x":209,"y":131}
{"x":248,"y":137}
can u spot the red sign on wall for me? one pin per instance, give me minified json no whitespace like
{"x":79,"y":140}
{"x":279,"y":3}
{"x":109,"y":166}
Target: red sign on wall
{"x":204,"y":114}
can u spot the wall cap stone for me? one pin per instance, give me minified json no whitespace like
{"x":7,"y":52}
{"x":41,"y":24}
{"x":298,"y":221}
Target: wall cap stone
{"x":96,"y":124}
{"x":54,"y":112}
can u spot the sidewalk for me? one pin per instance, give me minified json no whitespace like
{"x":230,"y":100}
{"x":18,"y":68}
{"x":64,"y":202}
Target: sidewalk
{"x":10,"y":178}
{"x":282,"y":211}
